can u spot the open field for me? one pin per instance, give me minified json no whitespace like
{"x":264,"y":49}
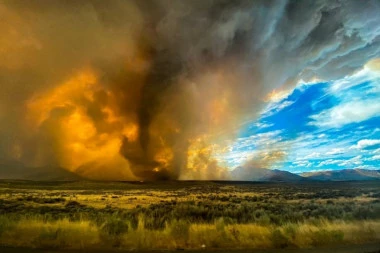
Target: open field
{"x":188,"y":215}
{"x":360,"y":248}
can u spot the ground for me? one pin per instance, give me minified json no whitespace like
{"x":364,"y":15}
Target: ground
{"x":87,"y":215}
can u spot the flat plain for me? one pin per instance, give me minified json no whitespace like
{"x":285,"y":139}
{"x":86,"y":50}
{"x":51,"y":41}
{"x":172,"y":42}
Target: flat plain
{"x":189,"y":215}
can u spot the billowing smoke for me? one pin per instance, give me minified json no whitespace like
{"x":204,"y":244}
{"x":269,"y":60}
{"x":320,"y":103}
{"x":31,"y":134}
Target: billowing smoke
{"x":151,"y":89}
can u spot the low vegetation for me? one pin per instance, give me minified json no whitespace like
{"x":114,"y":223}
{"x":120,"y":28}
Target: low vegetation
{"x":188,"y":215}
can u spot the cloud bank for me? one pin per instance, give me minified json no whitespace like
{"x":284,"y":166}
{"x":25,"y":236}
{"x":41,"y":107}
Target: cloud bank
{"x":150,"y":89}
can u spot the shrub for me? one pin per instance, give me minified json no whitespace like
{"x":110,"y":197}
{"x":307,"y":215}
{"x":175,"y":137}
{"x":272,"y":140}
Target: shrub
{"x":235,"y":233}
{"x":220,"y":225}
{"x":179,"y":230}
{"x":115,"y":227}
{"x":279,"y":240}
{"x":73,"y":204}
{"x":47,"y":238}
{"x":112,"y":231}
{"x":290,"y":231}
{"x":5,"y":224}
{"x":326,"y":237}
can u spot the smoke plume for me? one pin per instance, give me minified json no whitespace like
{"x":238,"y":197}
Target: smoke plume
{"x":151,"y":89}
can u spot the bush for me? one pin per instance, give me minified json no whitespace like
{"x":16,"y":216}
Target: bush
{"x":73,"y":204}
{"x":115,"y":227}
{"x":5,"y":224}
{"x":290,"y":231}
{"x":279,"y":240}
{"x":179,"y":230}
{"x":326,"y":237}
{"x":220,"y":225}
{"x":48,"y":238}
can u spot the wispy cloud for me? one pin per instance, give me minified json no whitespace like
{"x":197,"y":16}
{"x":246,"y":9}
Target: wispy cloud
{"x":320,"y":126}
{"x":357,"y":99}
{"x":374,"y":158}
{"x":365,"y":144}
{"x":347,"y":113}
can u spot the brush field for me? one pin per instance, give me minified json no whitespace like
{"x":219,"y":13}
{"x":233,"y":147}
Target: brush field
{"x":188,"y":215}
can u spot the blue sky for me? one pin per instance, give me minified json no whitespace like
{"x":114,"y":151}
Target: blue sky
{"x":317,"y":126}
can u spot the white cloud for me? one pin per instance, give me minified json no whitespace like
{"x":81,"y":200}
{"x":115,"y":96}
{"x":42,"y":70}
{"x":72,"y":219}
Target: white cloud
{"x":274,"y":108}
{"x":357,"y":160}
{"x":335,"y":151}
{"x":313,"y":155}
{"x":263,"y":125}
{"x":246,"y":147}
{"x":329,"y":162}
{"x":365,"y":144}
{"x":330,"y":145}
{"x":363,"y":75}
{"x":374,"y":158}
{"x":306,"y":164}
{"x":357,"y":103}
{"x":346,"y":113}
{"x":365,"y":167}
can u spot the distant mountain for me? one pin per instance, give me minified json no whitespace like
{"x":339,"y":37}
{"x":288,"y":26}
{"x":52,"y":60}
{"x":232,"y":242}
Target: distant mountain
{"x":343,"y":175}
{"x":254,"y":174}
{"x":259,"y":174}
{"x":281,"y":175}
{"x":16,"y":170}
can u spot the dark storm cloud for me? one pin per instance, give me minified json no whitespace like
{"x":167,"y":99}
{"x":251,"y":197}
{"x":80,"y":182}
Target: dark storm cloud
{"x":176,"y":71}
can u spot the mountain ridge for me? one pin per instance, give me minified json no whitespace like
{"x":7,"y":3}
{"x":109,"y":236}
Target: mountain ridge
{"x":343,"y":175}
{"x":14,"y":170}
{"x":18,"y":171}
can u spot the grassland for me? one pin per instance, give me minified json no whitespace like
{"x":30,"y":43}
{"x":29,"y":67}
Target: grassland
{"x":187,"y":215}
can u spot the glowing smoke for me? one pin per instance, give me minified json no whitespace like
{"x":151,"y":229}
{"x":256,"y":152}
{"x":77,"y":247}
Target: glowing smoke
{"x":150,"y":89}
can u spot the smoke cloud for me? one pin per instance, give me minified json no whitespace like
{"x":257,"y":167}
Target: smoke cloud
{"x":151,"y":89}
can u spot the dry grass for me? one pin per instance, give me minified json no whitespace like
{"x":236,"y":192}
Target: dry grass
{"x":131,"y":216}
{"x":57,"y":234}
{"x":180,"y":234}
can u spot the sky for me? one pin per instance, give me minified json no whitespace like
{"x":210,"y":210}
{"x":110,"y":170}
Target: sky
{"x":162,"y":89}
{"x":330,"y":125}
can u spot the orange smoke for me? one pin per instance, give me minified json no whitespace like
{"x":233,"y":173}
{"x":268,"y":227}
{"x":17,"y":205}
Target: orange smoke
{"x":201,"y":160}
{"x":79,"y":139}
{"x":108,"y":146}
{"x":275,"y":95}
{"x":68,"y":93}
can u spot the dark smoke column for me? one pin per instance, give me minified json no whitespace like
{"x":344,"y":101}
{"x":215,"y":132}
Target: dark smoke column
{"x":165,"y":67}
